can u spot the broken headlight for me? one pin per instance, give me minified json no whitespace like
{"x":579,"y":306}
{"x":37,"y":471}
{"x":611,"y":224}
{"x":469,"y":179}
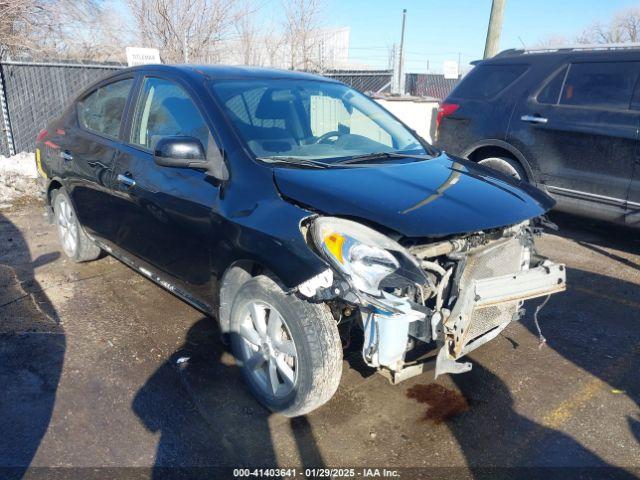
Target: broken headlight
{"x":369,"y":260}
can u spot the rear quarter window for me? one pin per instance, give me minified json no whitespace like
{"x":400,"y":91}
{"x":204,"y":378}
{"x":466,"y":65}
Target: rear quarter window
{"x":487,"y":81}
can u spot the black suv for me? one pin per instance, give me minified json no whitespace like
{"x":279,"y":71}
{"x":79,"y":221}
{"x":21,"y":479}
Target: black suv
{"x":288,"y":206}
{"x":565,"y":120}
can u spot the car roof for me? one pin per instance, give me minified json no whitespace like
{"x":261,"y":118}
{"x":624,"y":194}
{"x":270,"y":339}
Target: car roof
{"x":574,"y":53}
{"x":231,"y":72}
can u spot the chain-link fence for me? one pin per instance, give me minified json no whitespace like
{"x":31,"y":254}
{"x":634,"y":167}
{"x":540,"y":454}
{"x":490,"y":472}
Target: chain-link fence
{"x":36,"y":92}
{"x":367,"y":81}
{"x":33,"y":93}
{"x":429,"y":85}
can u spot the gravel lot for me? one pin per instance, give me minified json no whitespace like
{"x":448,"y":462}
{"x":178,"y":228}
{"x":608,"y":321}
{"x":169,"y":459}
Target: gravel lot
{"x":89,"y":375}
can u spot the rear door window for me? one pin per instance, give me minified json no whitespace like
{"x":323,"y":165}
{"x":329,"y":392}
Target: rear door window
{"x":101,"y":111}
{"x":487,"y":81}
{"x":606,"y":85}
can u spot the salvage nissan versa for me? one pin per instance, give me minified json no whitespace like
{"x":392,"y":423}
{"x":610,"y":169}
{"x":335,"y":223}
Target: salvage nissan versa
{"x":291,"y":207}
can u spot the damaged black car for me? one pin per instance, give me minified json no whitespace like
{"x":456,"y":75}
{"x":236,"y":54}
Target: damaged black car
{"x":291,"y":208}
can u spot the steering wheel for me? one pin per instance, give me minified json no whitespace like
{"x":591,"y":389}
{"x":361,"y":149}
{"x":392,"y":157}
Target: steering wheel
{"x":326,"y":136}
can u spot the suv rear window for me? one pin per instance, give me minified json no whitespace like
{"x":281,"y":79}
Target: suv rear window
{"x":601,"y":85}
{"x":486,"y":81}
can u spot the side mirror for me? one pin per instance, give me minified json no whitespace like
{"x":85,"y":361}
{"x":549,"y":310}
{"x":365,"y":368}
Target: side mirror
{"x":187,"y":152}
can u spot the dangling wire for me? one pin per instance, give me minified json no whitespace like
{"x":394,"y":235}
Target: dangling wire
{"x":535,"y":319}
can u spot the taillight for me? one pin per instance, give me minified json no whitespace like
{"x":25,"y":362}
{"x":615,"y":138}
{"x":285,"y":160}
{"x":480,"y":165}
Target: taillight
{"x":445,"y":110}
{"x":43,"y":133}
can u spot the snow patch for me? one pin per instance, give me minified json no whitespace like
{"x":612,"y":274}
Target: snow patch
{"x":18,"y":178}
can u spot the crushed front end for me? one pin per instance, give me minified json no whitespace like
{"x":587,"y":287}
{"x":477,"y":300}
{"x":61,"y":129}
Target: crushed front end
{"x":452,"y":295}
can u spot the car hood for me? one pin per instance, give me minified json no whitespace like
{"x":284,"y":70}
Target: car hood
{"x":428,"y":198}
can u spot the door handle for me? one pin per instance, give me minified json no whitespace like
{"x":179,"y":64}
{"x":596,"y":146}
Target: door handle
{"x":533,"y":119}
{"x":66,"y":155}
{"x":128,"y":181}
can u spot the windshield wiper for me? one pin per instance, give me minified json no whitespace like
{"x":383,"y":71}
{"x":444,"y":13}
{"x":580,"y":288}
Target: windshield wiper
{"x":305,"y":162}
{"x":378,"y":155}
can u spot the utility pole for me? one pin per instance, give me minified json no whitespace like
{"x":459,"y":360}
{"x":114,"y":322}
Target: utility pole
{"x":495,"y":27}
{"x":401,"y":59}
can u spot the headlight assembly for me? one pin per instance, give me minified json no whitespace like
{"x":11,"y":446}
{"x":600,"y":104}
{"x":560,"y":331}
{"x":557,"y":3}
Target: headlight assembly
{"x":368,"y":259}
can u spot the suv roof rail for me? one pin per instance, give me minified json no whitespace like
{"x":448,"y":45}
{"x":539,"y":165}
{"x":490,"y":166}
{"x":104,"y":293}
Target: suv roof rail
{"x":570,"y":48}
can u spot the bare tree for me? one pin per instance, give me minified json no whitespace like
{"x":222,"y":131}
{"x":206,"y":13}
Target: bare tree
{"x":624,"y":27}
{"x":303,"y":22}
{"x":186,"y":29}
{"x":85,"y":30}
{"x":551,"y":41}
{"x":251,"y":31}
{"x":71,"y":29}
{"x":630,"y":23}
{"x":16,"y":17}
{"x":276,"y":48}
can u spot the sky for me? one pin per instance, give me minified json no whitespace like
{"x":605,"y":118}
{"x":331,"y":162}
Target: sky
{"x":437,"y":30}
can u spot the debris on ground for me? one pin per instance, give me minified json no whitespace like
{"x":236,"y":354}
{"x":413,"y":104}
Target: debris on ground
{"x":18,"y":178}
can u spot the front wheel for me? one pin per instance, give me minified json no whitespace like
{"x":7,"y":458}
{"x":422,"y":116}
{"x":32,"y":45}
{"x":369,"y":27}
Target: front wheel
{"x":289,"y":350}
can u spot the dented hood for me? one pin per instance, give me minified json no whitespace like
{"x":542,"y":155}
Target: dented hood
{"x":427,"y":198}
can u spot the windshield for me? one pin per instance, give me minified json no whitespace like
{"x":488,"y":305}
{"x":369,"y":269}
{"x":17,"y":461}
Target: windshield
{"x":311,"y":120}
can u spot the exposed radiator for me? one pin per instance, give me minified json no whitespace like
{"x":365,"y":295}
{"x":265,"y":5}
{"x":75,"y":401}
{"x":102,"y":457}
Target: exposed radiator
{"x":502,"y":259}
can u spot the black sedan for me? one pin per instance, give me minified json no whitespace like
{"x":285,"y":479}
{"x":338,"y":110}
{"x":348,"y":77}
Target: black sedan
{"x":294,"y":209}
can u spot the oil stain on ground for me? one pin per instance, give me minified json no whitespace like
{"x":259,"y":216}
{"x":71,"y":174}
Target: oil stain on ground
{"x":442,"y":402}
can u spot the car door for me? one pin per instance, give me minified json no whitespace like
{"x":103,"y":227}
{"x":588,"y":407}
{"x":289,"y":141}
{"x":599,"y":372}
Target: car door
{"x":88,"y":151}
{"x":581,"y":134}
{"x":165,"y":213}
{"x":632,"y":216}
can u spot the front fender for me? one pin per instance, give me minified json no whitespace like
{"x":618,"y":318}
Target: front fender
{"x":270,"y":235}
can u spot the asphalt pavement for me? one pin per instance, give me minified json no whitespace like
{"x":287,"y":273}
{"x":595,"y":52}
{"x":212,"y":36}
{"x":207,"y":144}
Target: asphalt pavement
{"x":101,"y":368}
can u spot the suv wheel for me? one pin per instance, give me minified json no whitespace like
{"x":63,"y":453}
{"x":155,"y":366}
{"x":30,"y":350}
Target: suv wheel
{"x":75,"y":243}
{"x":505,"y":165}
{"x":289,"y":350}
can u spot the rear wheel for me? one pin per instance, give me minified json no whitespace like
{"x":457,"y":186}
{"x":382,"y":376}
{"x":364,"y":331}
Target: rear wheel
{"x":505,"y":165}
{"x":288,"y":349}
{"x":75,"y":243}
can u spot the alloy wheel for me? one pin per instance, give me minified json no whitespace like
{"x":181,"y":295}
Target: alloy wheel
{"x":268,"y":350}
{"x":67,"y":227}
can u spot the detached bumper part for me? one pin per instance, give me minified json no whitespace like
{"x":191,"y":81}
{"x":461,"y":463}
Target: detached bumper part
{"x":444,"y":364}
{"x":471,"y":323}
{"x":485,"y":307}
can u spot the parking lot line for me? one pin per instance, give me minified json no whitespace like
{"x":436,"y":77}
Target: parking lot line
{"x":565,"y":410}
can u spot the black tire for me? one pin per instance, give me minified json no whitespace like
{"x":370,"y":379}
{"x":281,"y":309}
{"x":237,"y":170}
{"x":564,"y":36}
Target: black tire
{"x":83,"y":249}
{"x":313,"y":330}
{"x":506,"y":165}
